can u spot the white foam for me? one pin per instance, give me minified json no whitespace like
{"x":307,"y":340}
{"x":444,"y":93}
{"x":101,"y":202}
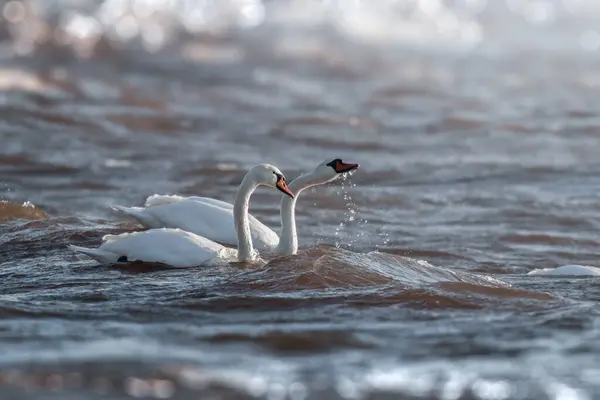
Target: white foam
{"x":568,"y":270}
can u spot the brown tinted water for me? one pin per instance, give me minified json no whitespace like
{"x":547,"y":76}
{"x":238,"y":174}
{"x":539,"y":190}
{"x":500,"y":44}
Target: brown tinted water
{"x":412,"y":279}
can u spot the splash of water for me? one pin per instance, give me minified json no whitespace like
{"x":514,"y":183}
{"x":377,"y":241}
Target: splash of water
{"x":351,"y":229}
{"x":385,"y":238}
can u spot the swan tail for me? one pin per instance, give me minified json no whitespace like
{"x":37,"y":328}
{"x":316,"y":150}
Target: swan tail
{"x":138,"y":214}
{"x":102,"y":256}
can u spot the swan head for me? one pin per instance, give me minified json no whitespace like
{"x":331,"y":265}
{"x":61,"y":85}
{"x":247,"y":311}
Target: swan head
{"x":330,"y":170}
{"x":269,"y":175}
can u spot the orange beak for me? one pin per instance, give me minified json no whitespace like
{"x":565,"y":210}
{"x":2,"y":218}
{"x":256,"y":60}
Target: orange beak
{"x":341,"y":167}
{"x":282,"y":186}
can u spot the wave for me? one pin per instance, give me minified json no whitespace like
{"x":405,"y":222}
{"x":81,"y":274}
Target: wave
{"x":567,"y":270}
{"x":325,"y":274}
{"x":14,"y":211}
{"x":329,"y":275}
{"x":318,"y":275}
{"x":27,"y":230}
{"x":327,"y":267}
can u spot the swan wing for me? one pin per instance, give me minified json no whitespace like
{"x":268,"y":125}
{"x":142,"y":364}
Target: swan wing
{"x":173,"y":247}
{"x":205,"y":218}
{"x":159,"y":199}
{"x":212,"y":202}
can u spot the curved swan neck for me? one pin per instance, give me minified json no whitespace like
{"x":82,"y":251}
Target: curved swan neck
{"x":240,"y":215}
{"x":288,"y":238}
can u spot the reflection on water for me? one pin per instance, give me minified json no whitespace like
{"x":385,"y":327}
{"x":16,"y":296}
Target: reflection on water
{"x":431,"y":272}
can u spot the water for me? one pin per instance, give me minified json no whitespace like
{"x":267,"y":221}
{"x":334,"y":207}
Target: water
{"x":423,"y":275}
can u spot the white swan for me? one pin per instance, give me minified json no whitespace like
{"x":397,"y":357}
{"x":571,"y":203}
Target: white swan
{"x":178,"y":248}
{"x":213,"y":218}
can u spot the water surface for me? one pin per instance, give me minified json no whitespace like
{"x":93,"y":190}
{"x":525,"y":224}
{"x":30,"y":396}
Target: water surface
{"x":479,"y":152}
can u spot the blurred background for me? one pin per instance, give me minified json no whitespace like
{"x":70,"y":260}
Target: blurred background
{"x":476,"y":127}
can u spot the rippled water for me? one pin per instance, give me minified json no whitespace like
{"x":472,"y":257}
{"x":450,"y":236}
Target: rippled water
{"x":426,"y":274}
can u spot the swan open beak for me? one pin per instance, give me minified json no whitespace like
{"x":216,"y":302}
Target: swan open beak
{"x":341,"y":167}
{"x":282,"y":186}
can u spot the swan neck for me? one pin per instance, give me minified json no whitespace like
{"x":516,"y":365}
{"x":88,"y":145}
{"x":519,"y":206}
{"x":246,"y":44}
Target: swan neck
{"x":288,"y":238}
{"x":240,"y":215}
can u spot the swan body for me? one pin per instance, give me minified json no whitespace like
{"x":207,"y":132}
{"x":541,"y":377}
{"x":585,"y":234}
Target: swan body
{"x":215,"y":223}
{"x":181,"y":249}
{"x":174,"y":247}
{"x":200,"y":215}
{"x":213,"y":218}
